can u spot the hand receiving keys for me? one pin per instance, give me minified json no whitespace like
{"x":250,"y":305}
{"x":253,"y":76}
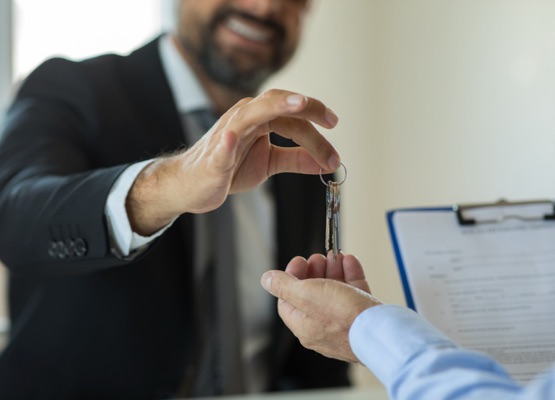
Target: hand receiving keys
{"x":320,"y":311}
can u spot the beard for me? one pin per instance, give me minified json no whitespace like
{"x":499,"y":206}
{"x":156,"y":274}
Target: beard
{"x":227,"y":69}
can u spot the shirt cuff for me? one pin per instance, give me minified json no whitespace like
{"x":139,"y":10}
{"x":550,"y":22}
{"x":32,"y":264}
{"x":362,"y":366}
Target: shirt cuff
{"x":385,"y":337}
{"x":124,"y":240}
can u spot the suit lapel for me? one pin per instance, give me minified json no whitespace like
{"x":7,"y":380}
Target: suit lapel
{"x":145,"y":82}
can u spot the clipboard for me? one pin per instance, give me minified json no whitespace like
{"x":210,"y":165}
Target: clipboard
{"x":483,"y":274}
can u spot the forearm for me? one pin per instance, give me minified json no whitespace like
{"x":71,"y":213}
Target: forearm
{"x":415,"y":361}
{"x":457,"y":374}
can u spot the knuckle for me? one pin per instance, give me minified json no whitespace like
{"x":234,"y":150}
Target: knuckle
{"x":239,"y":113}
{"x":303,"y":124}
{"x":244,"y":101}
{"x":271,"y":92}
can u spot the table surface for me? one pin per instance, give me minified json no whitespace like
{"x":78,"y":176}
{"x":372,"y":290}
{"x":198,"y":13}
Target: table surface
{"x":374,"y":393}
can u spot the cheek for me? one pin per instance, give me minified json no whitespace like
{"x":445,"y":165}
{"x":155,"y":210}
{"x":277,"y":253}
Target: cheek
{"x":188,"y":24}
{"x":194,"y":14}
{"x":294,"y":25}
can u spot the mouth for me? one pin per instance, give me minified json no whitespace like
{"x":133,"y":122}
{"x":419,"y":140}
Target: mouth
{"x":250,"y":31}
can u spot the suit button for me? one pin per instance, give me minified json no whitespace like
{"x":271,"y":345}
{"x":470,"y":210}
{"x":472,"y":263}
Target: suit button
{"x":70,"y":247}
{"x":61,"y":252}
{"x":53,"y":249}
{"x":80,"y":247}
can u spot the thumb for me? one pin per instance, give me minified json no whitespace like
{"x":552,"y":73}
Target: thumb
{"x":280,"y":284}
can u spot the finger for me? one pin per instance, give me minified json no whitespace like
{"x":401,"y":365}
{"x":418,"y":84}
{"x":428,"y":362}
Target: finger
{"x":287,"y":288}
{"x":354,"y":273}
{"x":303,"y":132}
{"x":255,"y":115}
{"x":316,"y":266}
{"x":334,"y":269}
{"x":274,"y":103}
{"x":298,"y":267}
{"x":293,"y":160}
{"x":281,"y":285}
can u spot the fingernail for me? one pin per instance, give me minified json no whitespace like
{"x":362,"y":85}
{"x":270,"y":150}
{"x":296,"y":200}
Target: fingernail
{"x":295,"y":100}
{"x":333,"y":163}
{"x":331,"y":117}
{"x":268,"y":283}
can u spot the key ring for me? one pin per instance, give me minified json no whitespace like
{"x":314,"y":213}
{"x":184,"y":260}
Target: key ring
{"x":338,"y":183}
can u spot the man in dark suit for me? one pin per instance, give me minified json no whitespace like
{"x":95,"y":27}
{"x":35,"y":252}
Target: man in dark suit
{"x":105,"y":239}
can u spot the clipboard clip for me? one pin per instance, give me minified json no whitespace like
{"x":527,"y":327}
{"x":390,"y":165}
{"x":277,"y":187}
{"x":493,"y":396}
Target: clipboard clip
{"x":502,"y":210}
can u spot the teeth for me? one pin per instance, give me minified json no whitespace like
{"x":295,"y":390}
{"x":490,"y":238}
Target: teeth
{"x":248,"y":31}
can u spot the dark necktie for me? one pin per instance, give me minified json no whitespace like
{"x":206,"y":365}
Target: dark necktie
{"x":217,"y":368}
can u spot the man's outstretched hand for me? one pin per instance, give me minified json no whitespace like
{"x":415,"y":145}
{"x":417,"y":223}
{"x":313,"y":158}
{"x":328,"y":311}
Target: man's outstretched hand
{"x":319,"y":300}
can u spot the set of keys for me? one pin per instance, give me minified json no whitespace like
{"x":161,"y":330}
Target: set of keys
{"x":333,"y":204}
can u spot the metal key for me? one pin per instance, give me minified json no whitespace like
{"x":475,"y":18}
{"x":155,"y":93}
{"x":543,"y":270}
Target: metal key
{"x":333,"y":202}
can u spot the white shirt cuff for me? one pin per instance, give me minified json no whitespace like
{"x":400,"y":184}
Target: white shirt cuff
{"x":123,"y":239}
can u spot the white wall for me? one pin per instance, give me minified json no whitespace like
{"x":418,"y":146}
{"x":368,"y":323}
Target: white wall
{"x":5,"y":84}
{"x":96,"y":26}
{"x":439,"y":102}
{"x":5,"y":54}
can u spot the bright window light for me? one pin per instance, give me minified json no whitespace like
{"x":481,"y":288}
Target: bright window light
{"x":80,"y":29}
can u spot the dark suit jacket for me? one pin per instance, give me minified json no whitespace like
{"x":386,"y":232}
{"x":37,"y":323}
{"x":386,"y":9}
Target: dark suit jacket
{"x":86,"y":324}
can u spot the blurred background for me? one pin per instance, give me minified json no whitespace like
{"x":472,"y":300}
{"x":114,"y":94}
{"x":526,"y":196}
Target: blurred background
{"x":440,"y":101}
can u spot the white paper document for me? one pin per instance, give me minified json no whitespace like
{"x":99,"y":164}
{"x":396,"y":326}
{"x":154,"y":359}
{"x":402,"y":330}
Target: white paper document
{"x":489,"y":286}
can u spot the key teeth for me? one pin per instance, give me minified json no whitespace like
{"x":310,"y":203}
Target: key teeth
{"x":333,"y":202}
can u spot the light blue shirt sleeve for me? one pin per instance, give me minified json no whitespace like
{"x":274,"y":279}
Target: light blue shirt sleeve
{"x":415,"y":361}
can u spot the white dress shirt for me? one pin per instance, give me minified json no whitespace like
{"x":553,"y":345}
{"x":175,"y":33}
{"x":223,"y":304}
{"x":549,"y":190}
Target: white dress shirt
{"x":254,"y":221}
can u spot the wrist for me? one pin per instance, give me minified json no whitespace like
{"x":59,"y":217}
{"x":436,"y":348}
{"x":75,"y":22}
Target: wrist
{"x":150,"y":202}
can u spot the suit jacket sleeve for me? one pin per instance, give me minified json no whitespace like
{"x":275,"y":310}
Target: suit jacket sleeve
{"x":52,"y":186}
